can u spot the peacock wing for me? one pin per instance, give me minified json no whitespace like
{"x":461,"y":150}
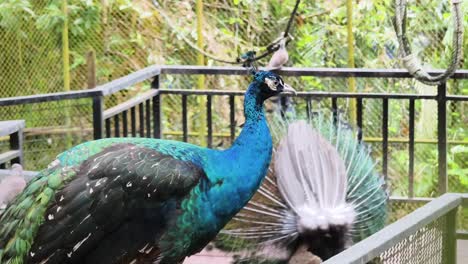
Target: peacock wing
{"x":113,"y":206}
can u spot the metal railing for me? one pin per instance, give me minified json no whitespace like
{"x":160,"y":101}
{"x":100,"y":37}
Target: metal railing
{"x":147,"y":106}
{"x":427,"y":235}
{"x":14,"y":130}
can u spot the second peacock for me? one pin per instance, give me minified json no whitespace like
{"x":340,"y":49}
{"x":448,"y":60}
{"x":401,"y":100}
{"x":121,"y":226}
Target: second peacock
{"x":322,"y":193}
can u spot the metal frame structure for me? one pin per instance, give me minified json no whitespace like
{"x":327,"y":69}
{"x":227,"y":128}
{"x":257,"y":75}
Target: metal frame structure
{"x":14,"y":130}
{"x":148,"y":108}
{"x":149,"y":103}
{"x":386,"y":241}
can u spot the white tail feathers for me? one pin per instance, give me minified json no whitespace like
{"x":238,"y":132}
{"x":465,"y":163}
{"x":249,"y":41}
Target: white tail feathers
{"x":312,"y":178}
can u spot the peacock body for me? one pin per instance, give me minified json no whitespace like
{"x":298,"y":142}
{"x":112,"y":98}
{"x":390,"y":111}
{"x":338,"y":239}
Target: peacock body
{"x":321,"y":194}
{"x":138,"y":200}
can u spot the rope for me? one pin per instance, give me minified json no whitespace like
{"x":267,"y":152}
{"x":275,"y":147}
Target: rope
{"x":272,"y":47}
{"x":410,"y":61}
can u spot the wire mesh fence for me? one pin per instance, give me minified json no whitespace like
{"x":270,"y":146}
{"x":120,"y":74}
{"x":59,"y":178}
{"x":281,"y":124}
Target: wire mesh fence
{"x":51,"y":127}
{"x":424,"y":246}
{"x":427,"y":235}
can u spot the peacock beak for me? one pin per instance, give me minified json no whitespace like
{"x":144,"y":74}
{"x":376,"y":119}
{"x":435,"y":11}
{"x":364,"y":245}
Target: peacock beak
{"x":287,"y":89}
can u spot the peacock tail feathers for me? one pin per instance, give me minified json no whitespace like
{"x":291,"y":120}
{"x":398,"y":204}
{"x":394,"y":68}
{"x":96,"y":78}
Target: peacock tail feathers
{"x":312,"y":179}
{"x":25,"y":214}
{"x":329,"y":179}
{"x":365,"y":189}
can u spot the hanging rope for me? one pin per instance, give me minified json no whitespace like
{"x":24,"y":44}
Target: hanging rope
{"x":272,"y":47}
{"x":411,"y":63}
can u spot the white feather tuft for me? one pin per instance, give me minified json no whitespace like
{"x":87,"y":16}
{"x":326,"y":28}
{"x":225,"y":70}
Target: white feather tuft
{"x":323,"y":218}
{"x":312,"y":178}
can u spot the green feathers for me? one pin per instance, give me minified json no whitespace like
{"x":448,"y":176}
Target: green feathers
{"x":20,"y":222}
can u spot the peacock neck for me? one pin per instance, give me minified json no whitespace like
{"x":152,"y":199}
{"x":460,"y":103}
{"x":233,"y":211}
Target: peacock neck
{"x":255,"y":131}
{"x":241,"y":168}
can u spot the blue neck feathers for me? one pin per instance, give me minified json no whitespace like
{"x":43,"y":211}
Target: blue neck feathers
{"x":246,"y":161}
{"x":255,"y":131}
{"x":233,"y":176}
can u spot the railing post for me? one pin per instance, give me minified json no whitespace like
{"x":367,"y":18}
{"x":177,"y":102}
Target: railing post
{"x":16,"y":143}
{"x":450,"y":241}
{"x":209,"y":121}
{"x":411,"y":150}
{"x":442,"y":136}
{"x":335,"y":110}
{"x":157,"y":119}
{"x":232,"y":118}
{"x":359,"y":118}
{"x":98,"y":116}
{"x":385,"y":138}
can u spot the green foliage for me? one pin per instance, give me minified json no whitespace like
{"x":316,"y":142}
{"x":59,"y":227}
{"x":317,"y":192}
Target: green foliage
{"x":83,"y":16}
{"x":457,"y":155}
{"x":12,"y":12}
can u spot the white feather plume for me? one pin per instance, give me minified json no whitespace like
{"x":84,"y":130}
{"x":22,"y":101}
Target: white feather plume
{"x":312,"y":178}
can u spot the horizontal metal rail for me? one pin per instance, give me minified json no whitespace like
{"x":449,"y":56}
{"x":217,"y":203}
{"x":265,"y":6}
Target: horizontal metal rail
{"x":314,"y":94}
{"x":292,"y":71}
{"x":154,"y":70}
{"x":13,"y":129}
{"x":102,"y":90}
{"x":456,"y":97}
{"x":127,"y":105}
{"x":10,"y":127}
{"x":129,"y":80}
{"x":40,"y":98}
{"x":399,"y":199}
{"x":365,"y":139}
{"x":9,"y":155}
{"x":376,"y":244}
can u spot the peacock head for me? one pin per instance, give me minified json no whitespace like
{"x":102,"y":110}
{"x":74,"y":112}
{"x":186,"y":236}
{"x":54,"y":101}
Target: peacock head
{"x":268,"y":84}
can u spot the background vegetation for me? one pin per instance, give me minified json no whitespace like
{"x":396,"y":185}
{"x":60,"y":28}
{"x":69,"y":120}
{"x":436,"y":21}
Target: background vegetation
{"x":47,"y":45}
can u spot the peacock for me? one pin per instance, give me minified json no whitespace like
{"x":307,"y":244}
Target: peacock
{"x":321,"y":194}
{"x":139,"y":200}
